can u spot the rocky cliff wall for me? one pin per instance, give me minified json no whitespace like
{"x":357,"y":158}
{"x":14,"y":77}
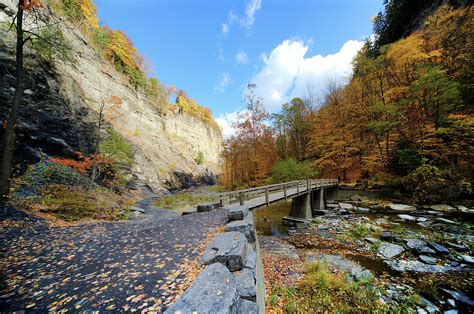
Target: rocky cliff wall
{"x":62,"y":100}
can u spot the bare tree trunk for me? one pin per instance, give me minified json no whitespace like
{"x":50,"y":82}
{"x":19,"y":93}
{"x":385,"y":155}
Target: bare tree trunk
{"x":9,"y":129}
{"x":97,"y":149}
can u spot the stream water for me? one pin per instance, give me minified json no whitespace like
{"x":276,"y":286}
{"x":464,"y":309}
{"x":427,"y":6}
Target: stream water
{"x":330,"y":238}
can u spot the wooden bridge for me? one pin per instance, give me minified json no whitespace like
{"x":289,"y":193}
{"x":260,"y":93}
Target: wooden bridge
{"x":265,"y":195}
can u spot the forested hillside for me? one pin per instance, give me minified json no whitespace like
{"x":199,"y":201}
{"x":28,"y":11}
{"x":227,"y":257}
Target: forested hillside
{"x":404,"y":120}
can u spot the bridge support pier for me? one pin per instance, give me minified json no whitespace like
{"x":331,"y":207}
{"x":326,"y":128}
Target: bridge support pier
{"x":318,"y":203}
{"x":301,"y":206}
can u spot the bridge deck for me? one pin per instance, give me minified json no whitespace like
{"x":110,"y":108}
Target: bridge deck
{"x":257,"y":197}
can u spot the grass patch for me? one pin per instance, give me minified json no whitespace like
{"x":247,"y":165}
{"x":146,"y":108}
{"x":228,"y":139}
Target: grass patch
{"x":318,"y":220}
{"x":73,"y":203}
{"x":361,"y":230}
{"x":320,"y":291}
{"x":183,"y":201}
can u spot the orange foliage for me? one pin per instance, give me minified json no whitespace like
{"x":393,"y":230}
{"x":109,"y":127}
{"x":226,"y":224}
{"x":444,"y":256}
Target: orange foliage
{"x":29,"y":5}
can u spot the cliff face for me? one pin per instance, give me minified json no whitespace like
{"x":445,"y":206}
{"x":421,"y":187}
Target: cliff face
{"x":62,"y":101}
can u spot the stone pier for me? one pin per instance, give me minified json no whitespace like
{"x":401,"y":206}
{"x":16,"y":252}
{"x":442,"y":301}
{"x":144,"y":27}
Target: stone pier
{"x":308,"y":204}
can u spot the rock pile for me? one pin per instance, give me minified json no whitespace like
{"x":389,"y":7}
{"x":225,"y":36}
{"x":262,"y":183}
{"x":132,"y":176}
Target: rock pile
{"x":229,"y":283}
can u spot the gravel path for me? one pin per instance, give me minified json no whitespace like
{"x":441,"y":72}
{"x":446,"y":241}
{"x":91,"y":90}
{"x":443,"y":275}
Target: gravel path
{"x":124,"y":266}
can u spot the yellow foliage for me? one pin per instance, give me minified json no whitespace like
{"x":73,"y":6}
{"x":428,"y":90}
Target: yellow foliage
{"x":89,"y":11}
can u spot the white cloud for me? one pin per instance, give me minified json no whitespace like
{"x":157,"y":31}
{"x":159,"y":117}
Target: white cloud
{"x":224,"y":29}
{"x":220,"y":53}
{"x":247,"y":20}
{"x":287,"y":71}
{"x":226,"y":121}
{"x":221,"y":85}
{"x":242,"y":57}
{"x":250,"y":10}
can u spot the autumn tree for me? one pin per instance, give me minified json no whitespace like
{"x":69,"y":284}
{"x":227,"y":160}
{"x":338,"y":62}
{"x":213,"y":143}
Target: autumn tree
{"x":250,"y":154}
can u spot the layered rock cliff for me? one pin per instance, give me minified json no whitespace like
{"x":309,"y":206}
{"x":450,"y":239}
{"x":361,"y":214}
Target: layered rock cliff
{"x":60,"y":109}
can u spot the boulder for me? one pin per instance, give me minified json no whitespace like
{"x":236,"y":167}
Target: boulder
{"x":388,"y":236}
{"x":228,"y":248}
{"x":137,"y":209}
{"x":442,"y":208}
{"x":425,"y":224}
{"x":425,"y":250}
{"x":247,"y":306}
{"x":438,"y":248}
{"x":401,"y":207}
{"x":414,"y":244}
{"x":370,"y":240}
{"x":468,"y":259}
{"x":389,"y":250}
{"x":406,"y":217}
{"x":458,"y":247}
{"x":459,"y":296}
{"x":345,"y":206}
{"x":213,"y":291}
{"x":246,"y":285}
{"x":428,"y":260}
{"x":207,"y":207}
{"x":251,"y":262}
{"x":358,"y":198}
{"x":244,"y":226}
{"x":417,"y":266}
{"x":446,"y":221}
{"x":237,"y":212}
{"x":362,"y":209}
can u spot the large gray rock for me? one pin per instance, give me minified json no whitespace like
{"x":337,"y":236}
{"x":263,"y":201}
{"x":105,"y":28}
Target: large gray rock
{"x":419,"y":246}
{"x":388,"y":236}
{"x":428,"y":259}
{"x":346,"y":206}
{"x":389,"y":250}
{"x":446,"y":221}
{"x":245,"y":226}
{"x":459,"y":296}
{"x":417,"y":266}
{"x":246,"y":285}
{"x":207,"y":207}
{"x":213,"y":291}
{"x":251,"y":262}
{"x":414,"y":244}
{"x":248,"y":307}
{"x":401,"y":207}
{"x":406,"y":217}
{"x":237,"y":212}
{"x":438,"y":248}
{"x":228,"y":248}
{"x":442,"y":208}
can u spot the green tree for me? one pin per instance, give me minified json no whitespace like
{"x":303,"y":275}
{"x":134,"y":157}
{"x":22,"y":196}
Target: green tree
{"x":437,"y":93}
{"x":290,"y":170}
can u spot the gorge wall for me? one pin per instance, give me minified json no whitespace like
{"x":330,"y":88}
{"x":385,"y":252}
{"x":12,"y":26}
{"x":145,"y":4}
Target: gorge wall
{"x":61,"y":106}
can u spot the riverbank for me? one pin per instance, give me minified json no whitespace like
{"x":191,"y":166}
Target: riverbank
{"x":404,"y":257}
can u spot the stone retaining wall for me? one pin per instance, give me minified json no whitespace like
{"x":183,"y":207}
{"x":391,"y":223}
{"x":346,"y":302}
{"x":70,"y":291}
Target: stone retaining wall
{"x":232,"y":281}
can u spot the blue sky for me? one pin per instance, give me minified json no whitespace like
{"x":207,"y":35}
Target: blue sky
{"x":212,"y":49}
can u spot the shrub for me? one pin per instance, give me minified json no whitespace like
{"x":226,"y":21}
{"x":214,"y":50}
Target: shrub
{"x":290,"y":169}
{"x":199,"y":158}
{"x":432,"y":184}
{"x":115,"y":147}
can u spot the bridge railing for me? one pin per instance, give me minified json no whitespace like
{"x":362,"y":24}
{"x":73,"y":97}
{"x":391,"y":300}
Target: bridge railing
{"x":287,"y":188}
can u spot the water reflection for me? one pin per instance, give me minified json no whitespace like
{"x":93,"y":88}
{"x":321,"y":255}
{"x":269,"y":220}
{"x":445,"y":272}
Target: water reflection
{"x":268,"y":219}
